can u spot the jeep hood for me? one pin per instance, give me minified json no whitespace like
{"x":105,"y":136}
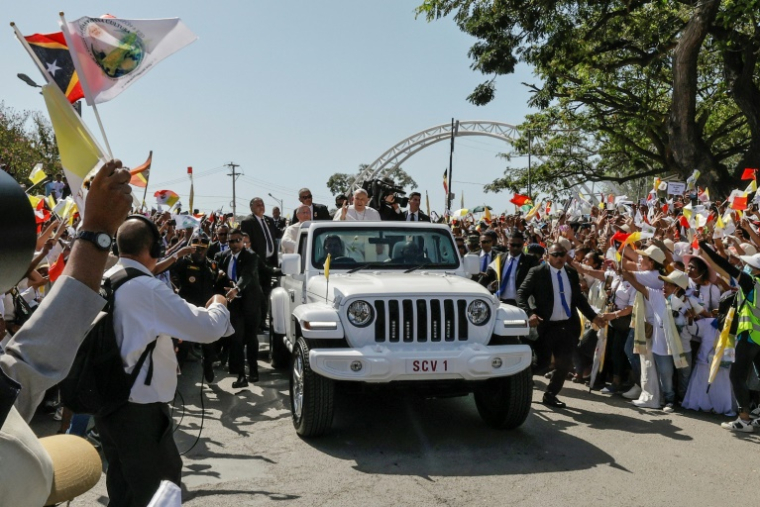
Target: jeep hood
{"x":381,"y":284}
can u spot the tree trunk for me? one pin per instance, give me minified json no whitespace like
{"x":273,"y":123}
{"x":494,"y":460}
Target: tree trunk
{"x":688,"y":146}
{"x":739,"y":68}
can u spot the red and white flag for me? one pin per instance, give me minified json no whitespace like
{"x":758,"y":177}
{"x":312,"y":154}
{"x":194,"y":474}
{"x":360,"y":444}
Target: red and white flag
{"x":110,"y":53}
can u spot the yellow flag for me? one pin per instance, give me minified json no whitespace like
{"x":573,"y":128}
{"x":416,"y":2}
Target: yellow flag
{"x":50,"y":201}
{"x":37,"y":174}
{"x":752,"y":187}
{"x":487,"y":214}
{"x":327,"y":266}
{"x":34,"y":200}
{"x":79,"y":152}
{"x":719,"y":223}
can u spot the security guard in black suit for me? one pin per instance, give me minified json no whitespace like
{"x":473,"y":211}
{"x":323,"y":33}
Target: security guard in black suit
{"x":239,"y":281}
{"x":195,"y":276}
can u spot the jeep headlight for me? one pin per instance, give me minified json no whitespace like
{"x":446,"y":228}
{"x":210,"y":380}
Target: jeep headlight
{"x":478,"y":312}
{"x":360,"y":313}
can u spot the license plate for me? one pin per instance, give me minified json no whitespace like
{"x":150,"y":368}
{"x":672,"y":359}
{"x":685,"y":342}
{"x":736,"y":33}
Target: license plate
{"x":424,"y":366}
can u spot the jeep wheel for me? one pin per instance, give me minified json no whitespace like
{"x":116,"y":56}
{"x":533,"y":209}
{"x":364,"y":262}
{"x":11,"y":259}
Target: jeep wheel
{"x":504,"y":402}
{"x":278,"y":352}
{"x":311,"y":395}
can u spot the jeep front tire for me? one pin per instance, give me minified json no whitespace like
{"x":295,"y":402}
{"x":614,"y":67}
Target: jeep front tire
{"x":504,"y":402}
{"x":311,"y":395}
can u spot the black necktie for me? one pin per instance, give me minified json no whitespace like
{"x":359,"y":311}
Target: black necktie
{"x":270,"y":245}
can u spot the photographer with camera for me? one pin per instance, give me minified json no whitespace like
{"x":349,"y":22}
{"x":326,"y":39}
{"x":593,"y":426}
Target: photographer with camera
{"x":383,"y":197}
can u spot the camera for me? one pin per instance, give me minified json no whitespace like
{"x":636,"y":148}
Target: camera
{"x":379,"y":189}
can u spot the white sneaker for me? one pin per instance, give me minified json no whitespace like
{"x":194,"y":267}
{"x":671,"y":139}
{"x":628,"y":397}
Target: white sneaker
{"x":755,"y":414}
{"x":738,"y":425}
{"x":646,"y":404}
{"x":58,"y":414}
{"x":633,"y":393}
{"x":669,"y":408}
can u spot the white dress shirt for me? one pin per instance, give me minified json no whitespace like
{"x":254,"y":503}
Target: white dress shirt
{"x":148,"y":310}
{"x":413,"y":216}
{"x":368,"y":215}
{"x":559,"y":313}
{"x":268,"y":239}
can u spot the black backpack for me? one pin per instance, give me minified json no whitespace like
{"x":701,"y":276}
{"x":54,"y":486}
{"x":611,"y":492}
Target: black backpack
{"x":97,"y":383}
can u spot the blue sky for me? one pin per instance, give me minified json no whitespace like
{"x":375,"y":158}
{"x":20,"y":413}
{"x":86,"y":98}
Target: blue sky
{"x":291,"y":91}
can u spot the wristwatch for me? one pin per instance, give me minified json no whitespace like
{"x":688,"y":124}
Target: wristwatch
{"x":101,"y":240}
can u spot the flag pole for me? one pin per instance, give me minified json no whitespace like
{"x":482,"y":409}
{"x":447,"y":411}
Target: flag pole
{"x":35,"y":58}
{"x":83,"y":81}
{"x":427,"y":202}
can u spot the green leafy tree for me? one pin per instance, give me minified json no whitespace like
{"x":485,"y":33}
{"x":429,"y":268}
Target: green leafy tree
{"x":26,"y":138}
{"x":628,"y":89}
{"x":340,"y":183}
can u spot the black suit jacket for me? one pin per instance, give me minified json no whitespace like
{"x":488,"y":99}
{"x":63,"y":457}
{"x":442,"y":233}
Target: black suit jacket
{"x":524,"y":265}
{"x":539,"y":284}
{"x":213,"y":249}
{"x":247,"y":273}
{"x":250,"y":225}
{"x":421,"y":217}
{"x":319,"y":212}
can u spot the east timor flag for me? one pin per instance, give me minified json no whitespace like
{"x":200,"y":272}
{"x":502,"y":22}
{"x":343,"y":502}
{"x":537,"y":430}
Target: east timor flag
{"x":54,"y":54}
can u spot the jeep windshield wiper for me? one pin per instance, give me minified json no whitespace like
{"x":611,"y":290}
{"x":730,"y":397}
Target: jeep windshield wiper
{"x":418,"y":266}
{"x":357,"y":268}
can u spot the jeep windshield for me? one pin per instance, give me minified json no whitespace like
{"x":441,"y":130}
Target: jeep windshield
{"x":384,"y":248}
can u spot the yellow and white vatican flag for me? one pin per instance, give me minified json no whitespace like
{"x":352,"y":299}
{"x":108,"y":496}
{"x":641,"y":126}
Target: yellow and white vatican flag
{"x":79,"y":152}
{"x":111,"y":53}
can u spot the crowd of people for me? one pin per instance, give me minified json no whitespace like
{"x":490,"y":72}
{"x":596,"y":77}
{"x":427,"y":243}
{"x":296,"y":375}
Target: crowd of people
{"x":647,"y":293}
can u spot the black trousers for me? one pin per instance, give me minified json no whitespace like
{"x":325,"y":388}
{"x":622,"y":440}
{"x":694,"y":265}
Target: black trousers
{"x":139,"y":445}
{"x":560,"y":339}
{"x":747,"y":354}
{"x":245,"y":316}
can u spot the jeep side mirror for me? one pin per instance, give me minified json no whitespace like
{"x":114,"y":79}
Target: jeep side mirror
{"x":471,"y":264}
{"x":291,"y":264}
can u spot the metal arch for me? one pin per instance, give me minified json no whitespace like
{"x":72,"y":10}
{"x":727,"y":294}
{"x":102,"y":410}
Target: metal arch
{"x":404,"y":149}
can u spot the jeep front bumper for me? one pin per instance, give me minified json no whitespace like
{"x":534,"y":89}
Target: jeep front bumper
{"x":381,"y":363}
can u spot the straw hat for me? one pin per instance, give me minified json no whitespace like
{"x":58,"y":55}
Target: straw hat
{"x":653,"y":253}
{"x":677,"y":278}
{"x":76,"y":466}
{"x":748,"y":248}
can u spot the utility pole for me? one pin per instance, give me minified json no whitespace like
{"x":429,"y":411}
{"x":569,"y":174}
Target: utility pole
{"x":234,"y":179}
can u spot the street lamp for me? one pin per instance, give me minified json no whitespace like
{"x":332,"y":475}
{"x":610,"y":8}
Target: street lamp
{"x":28,"y":80}
{"x":280,"y":201}
{"x":530,"y":150}
{"x":76,"y":105}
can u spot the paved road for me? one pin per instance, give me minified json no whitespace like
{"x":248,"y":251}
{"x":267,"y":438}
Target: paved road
{"x":391,"y":449}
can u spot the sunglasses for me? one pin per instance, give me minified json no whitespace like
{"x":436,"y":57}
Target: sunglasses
{"x":520,"y":245}
{"x":236,"y":240}
{"x":306,"y":197}
{"x":558,"y":254}
{"x":485,"y":242}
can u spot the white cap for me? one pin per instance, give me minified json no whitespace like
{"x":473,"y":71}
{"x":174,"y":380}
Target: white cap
{"x":752,"y":260}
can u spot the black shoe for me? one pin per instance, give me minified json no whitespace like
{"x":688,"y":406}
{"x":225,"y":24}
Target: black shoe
{"x":253,"y":377}
{"x":551,"y":400}
{"x":208,"y":371}
{"x":240,"y":382}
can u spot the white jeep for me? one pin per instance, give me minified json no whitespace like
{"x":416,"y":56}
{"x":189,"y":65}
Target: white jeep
{"x":398,"y":306}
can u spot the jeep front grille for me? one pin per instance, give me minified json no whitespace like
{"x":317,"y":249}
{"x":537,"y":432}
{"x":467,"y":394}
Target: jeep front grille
{"x":421,"y":320}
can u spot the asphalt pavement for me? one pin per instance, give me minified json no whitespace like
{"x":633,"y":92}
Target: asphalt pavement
{"x":390,"y":448}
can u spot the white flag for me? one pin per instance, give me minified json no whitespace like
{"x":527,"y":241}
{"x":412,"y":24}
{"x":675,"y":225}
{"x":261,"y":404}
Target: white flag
{"x":110,"y":54}
{"x":186,"y":221}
